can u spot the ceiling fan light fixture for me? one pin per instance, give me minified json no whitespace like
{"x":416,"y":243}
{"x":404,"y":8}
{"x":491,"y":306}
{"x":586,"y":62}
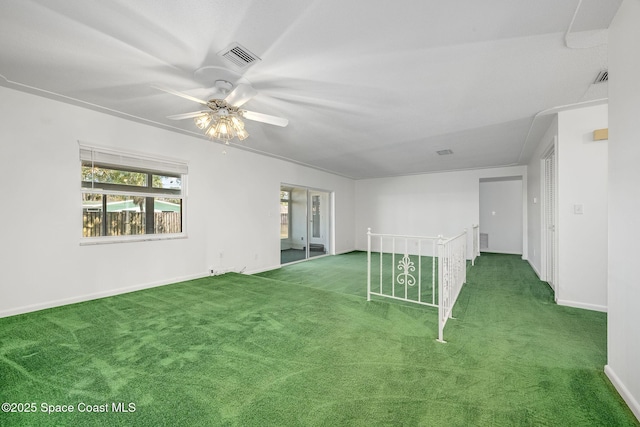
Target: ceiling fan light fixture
{"x":242,"y":134}
{"x":210,"y":131}
{"x":237,"y":123}
{"x":225,"y":120}
{"x":222,"y":125}
{"x":202,"y":122}
{"x":224,"y":131}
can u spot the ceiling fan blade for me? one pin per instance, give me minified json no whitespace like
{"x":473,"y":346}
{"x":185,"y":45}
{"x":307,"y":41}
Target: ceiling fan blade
{"x":187,"y":115}
{"x":241,"y":94}
{"x":180,"y":94}
{"x":265,"y":118}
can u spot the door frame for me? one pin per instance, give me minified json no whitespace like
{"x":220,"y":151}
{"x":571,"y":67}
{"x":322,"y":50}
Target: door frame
{"x":328,"y":221}
{"x":549,"y":216}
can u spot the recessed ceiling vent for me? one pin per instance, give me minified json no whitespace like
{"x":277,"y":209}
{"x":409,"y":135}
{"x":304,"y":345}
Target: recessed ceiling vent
{"x":603,"y":77}
{"x":444,"y":152}
{"x":239,"y":56}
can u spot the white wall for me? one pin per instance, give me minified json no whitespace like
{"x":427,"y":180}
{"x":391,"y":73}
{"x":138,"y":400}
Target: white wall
{"x":232,"y":207}
{"x":624,"y":204}
{"x":501,"y":214}
{"x":424,"y":205}
{"x":582,"y":181}
{"x":534,"y":198}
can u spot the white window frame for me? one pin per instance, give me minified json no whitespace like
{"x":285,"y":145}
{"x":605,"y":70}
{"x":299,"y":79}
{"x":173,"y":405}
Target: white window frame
{"x":129,"y":160}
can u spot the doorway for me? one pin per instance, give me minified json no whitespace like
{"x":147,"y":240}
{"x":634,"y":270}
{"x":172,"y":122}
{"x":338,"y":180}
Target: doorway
{"x":501,"y":215}
{"x":304,"y":223}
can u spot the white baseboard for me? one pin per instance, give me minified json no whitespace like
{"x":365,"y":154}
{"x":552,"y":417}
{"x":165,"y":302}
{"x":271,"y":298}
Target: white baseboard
{"x":97,"y":295}
{"x":346,"y":251}
{"x":535,"y":270}
{"x":583,"y":305}
{"x":275,"y":267}
{"x":631,"y":401}
{"x":262,"y":269}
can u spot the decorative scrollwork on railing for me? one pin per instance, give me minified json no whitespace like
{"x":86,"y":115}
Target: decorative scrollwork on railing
{"x":406,"y":265}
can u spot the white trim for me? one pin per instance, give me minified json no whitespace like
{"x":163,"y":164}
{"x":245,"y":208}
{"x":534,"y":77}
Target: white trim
{"x":277,"y":266}
{"x":106,"y":240}
{"x":549,"y":153}
{"x":97,"y":295}
{"x":132,"y":192}
{"x":348,"y":251}
{"x":263,"y":269}
{"x":624,"y":392}
{"x":500,"y":252}
{"x":132,"y":159}
{"x":332,"y":223}
{"x":535,"y":270}
{"x":583,"y":305}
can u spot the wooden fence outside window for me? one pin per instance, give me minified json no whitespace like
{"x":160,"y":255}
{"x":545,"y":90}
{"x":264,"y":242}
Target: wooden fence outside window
{"x":128,"y":223}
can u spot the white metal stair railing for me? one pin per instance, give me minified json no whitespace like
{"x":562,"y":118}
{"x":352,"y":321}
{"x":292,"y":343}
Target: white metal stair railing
{"x":452,"y":275}
{"x":475,"y":243}
{"x":401,"y":281}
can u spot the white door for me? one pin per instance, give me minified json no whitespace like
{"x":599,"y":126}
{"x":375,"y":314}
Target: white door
{"x":549,"y":219}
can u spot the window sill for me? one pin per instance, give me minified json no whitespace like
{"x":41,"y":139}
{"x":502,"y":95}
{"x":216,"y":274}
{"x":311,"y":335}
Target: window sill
{"x":89,"y":241}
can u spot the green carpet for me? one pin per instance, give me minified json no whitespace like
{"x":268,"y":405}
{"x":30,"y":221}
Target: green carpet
{"x":302,"y":347}
{"x":292,"y":255}
{"x":348,"y":274}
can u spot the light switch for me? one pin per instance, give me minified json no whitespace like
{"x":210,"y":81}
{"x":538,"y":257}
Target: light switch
{"x":578,"y":209}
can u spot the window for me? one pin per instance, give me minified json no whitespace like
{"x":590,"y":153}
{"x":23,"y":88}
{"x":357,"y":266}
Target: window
{"x":130,"y":196}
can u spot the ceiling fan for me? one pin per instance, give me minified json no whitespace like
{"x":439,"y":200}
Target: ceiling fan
{"x":223,"y":118}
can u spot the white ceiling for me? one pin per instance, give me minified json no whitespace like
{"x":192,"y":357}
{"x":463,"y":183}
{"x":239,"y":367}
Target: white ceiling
{"x":371,"y":88}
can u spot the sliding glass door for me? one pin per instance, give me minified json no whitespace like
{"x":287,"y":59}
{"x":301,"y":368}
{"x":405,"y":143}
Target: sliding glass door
{"x":318,"y":223}
{"x":304,"y":223}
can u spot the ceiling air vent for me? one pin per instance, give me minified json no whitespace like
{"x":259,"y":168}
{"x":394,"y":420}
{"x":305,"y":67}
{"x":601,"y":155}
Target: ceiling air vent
{"x":444,"y":152}
{"x":603,"y":77}
{"x":239,"y":56}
